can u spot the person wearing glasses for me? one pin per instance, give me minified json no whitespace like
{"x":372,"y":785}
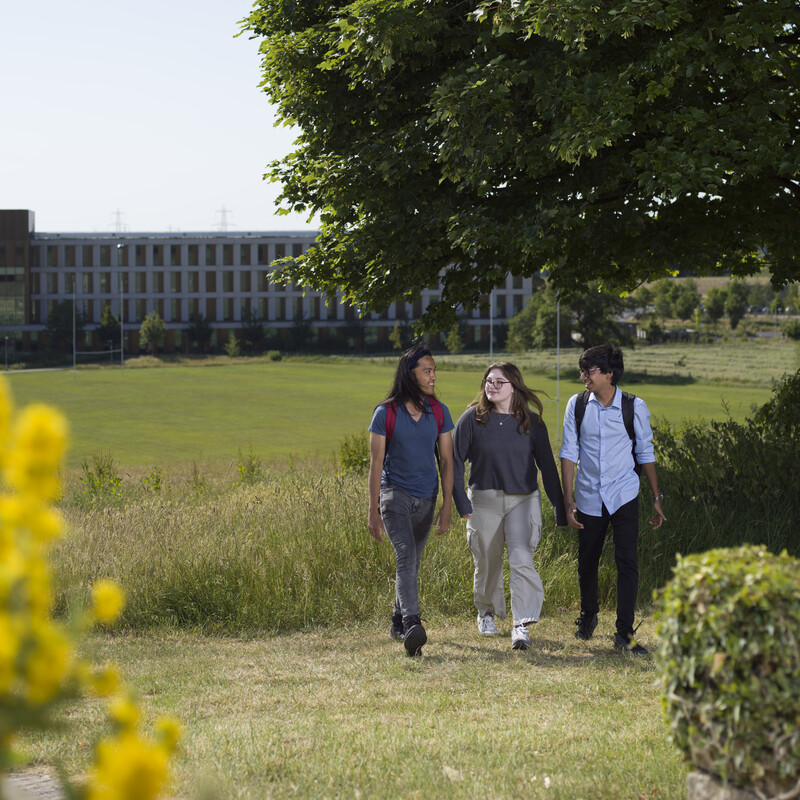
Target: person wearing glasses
{"x":507,"y":445}
{"x":598,"y":443}
{"x":410,"y":428}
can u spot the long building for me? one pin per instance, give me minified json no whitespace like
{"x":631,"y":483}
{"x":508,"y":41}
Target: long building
{"x":226,"y":277}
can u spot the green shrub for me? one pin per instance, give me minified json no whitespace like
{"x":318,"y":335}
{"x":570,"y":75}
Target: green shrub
{"x":730,"y":664}
{"x":736,"y":467}
{"x":274,"y":355}
{"x":354,"y":453}
{"x":249,"y":467}
{"x":792,"y":329}
{"x":155,"y":481}
{"x":104,"y":480}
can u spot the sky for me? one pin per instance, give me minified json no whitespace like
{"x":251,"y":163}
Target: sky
{"x":140,"y":116}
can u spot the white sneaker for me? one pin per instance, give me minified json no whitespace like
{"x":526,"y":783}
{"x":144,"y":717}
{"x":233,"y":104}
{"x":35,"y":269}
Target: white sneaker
{"x":486,"y":626}
{"x":520,"y":640}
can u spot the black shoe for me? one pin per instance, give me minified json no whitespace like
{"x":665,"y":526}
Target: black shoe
{"x":414,"y":636}
{"x":586,"y":624}
{"x":397,"y":632}
{"x":627,"y":644}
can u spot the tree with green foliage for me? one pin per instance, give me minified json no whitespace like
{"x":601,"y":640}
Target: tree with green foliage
{"x":452,"y":143}
{"x":152,"y":333}
{"x":454,"y":343}
{"x":686,"y":298}
{"x":232,"y":346}
{"x":736,"y":303}
{"x":64,"y":320}
{"x":199,"y":332}
{"x":714,"y":303}
{"x":253,"y":330}
{"x":109,"y":329}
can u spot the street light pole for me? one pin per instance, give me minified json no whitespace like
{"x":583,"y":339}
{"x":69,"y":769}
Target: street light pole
{"x":121,"y":312}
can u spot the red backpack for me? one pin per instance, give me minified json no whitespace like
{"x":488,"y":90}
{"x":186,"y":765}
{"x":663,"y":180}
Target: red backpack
{"x":391,"y":417}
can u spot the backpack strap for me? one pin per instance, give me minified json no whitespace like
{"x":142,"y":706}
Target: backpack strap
{"x":580,"y":409}
{"x":438,"y":412}
{"x":628,"y":400}
{"x":391,"y":418}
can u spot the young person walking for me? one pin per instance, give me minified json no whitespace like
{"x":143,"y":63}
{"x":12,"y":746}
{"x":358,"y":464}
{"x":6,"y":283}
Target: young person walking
{"x":598,"y":442}
{"x":405,"y":430}
{"x":504,"y":442}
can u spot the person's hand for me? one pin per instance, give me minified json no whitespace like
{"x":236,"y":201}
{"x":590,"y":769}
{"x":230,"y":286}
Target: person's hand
{"x":572,"y":519}
{"x":375,"y":524}
{"x":442,"y":520}
{"x":658,"y":518}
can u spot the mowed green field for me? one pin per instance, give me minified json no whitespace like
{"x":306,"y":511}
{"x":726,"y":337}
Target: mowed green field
{"x":179,"y":415}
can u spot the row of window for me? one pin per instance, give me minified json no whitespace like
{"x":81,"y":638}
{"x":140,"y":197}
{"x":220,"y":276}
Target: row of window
{"x":161,"y":255}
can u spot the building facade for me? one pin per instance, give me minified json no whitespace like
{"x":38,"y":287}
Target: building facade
{"x":225,"y":277}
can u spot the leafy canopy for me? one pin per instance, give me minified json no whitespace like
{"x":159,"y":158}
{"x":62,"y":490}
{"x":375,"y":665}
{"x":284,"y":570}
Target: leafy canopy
{"x":445,"y":142}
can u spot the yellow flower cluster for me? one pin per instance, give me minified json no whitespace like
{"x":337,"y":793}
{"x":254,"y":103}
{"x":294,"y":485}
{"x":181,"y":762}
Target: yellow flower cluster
{"x":38,"y":666}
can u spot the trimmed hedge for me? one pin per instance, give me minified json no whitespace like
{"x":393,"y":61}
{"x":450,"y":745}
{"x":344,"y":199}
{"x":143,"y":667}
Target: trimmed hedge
{"x":730,"y":664}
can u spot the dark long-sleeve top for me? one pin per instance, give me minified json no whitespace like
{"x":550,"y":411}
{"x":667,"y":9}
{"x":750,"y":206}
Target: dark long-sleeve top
{"x":502,"y":457}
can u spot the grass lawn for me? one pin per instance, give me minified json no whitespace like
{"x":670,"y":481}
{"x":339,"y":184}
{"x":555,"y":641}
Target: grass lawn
{"x":344,"y":713}
{"x":302,"y":408}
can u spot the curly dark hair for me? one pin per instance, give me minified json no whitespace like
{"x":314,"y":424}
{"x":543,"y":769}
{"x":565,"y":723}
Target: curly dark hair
{"x":522,"y":397}
{"x":605,"y":356}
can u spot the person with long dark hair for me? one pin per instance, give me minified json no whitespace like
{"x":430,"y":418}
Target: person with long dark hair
{"x":408,"y":427}
{"x":507,"y":446}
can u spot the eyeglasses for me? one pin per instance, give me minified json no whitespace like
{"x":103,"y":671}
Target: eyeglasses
{"x":585,"y":373}
{"x":496,"y":384}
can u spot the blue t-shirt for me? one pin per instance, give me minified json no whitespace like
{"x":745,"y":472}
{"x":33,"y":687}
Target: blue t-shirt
{"x":410,"y":463}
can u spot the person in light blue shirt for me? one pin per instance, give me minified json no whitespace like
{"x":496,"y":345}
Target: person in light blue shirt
{"x":606,"y":489}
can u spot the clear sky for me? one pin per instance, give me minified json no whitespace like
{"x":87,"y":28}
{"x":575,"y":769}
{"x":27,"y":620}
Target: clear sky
{"x":142,"y":115}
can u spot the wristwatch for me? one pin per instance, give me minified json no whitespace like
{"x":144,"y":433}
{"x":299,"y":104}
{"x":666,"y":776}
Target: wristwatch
{"x":659,"y":496}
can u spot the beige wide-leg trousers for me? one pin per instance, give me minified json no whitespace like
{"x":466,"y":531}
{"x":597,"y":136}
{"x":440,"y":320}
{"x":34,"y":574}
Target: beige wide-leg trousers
{"x":513,"y":520}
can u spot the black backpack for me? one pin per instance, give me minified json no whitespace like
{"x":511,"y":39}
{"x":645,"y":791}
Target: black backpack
{"x":627,"y":419}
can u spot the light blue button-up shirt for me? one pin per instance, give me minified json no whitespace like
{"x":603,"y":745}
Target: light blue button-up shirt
{"x":605,"y":463}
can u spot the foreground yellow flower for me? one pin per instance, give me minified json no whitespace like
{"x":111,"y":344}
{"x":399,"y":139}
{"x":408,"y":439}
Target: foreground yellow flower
{"x":37,"y":446}
{"x":128,"y":768}
{"x":107,"y":601}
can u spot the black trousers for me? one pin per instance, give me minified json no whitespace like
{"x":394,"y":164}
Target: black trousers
{"x":625,"y":527}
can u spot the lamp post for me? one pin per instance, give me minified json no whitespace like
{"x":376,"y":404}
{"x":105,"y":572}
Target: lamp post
{"x":121,"y":312}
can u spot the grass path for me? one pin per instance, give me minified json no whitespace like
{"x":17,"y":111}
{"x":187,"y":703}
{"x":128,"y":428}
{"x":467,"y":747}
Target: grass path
{"x":344,"y":713}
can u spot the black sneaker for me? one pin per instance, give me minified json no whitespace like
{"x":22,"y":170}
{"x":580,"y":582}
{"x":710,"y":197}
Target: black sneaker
{"x":396,"y":632}
{"x":627,"y":644}
{"x":414,"y":636}
{"x":586,"y":624}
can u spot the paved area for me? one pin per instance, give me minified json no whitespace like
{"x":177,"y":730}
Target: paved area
{"x":31,"y":785}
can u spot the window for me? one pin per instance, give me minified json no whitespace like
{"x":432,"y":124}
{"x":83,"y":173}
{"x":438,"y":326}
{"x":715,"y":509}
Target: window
{"x":123,"y":282}
{"x":88,"y":309}
{"x":51,"y":279}
{"x":280,"y":251}
{"x":122,"y":255}
{"x":244,"y":254}
{"x":141,"y":309}
{"x":211,"y":309}
{"x":192,"y":281}
{"x":141,"y":283}
{"x":141,"y":255}
{"x":105,"y":283}
{"x":194,"y":307}
{"x":158,"y":282}
{"x":194,"y":255}
{"x":175,"y":281}
{"x":263,"y":281}
{"x":158,"y":255}
{"x":158,"y":307}
{"x":105,"y":255}
{"x":69,"y":255}
{"x":297,"y":250}
{"x":175,"y":310}
{"x":175,"y":255}
{"x":227,"y":281}
{"x":36,"y":283}
{"x":87,"y":284}
{"x":244,"y":281}
{"x":211,"y":255}
{"x":227,"y":255}
{"x":69,"y":282}
{"x":280,"y":308}
{"x":227,"y":309}
{"x":211,"y":281}
{"x":52,"y":255}
{"x":263,"y":255}
{"x":36,"y":257}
